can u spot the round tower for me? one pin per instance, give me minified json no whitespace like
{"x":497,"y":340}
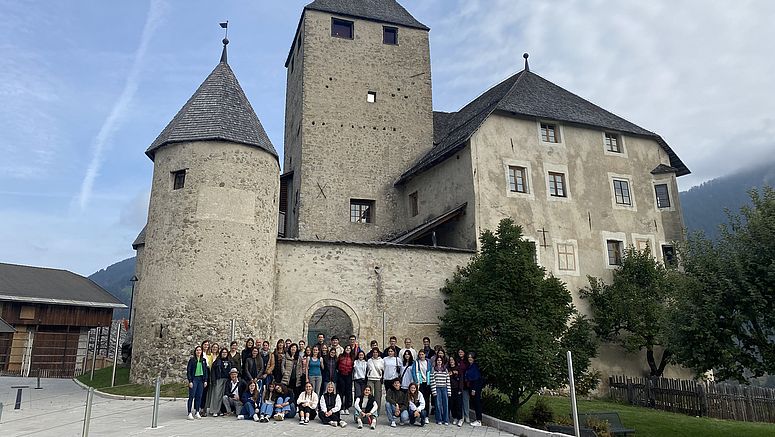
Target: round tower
{"x":209,"y":251}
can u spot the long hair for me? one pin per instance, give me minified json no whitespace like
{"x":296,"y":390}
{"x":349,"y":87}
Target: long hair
{"x":413,"y":396}
{"x":253,"y":395}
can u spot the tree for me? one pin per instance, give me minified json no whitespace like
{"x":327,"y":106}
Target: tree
{"x":724,"y":318}
{"x":632,"y":309}
{"x":519,"y":320}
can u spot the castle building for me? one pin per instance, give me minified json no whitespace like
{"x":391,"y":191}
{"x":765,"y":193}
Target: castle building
{"x":380,"y":198}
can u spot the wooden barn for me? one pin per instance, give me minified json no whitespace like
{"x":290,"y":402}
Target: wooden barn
{"x":45,"y":318}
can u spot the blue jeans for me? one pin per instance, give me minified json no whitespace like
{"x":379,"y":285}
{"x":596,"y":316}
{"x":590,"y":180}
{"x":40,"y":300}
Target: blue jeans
{"x":442,"y":405}
{"x":282,"y":410}
{"x":390,"y":409}
{"x":195,"y":393}
{"x":248,"y":410}
{"x":267,"y":408}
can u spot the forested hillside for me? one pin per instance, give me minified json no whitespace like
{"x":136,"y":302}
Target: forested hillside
{"x":115,"y":279}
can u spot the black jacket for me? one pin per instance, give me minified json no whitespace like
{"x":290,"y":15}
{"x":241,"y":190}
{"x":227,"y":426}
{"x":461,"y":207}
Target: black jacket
{"x":241,"y":387}
{"x":252,"y":369}
{"x":191,"y":369}
{"x":221,"y":368}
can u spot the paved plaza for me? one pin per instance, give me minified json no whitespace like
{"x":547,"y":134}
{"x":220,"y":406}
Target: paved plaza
{"x":58,"y":409}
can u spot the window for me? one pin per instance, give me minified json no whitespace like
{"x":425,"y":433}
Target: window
{"x":643,"y":244}
{"x":361,"y":211}
{"x":550,"y":133}
{"x":622,"y":192}
{"x":668,"y":254}
{"x":27,"y":312}
{"x":371,"y":97}
{"x":341,"y":28}
{"x":557,"y":185}
{"x":178,"y":179}
{"x":390,"y":35}
{"x":614,"y":252}
{"x":663,"y":196}
{"x":566,"y":256}
{"x":613,"y":143}
{"x":414,"y":205}
{"x":517,"y":179}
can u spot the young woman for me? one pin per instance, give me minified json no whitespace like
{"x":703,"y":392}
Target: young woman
{"x":252,"y":368}
{"x":282,"y":403}
{"x":474,"y":384}
{"x":456,"y":401}
{"x":441,"y":388}
{"x":462,"y":366}
{"x":360,"y":366}
{"x":304,"y":364}
{"x":421,"y":375}
{"x":440,"y":352}
{"x":249,"y":343}
{"x":197,"y":374}
{"x":279,"y":357}
{"x":220,"y":374}
{"x":406,"y":370}
{"x":267,"y":403}
{"x":235,"y":357}
{"x":396,"y":405}
{"x":307,"y":403}
{"x":330,"y":406}
{"x":393,"y":367}
{"x":374,"y":374}
{"x":416,"y":406}
{"x":291,"y":371}
{"x":315,"y":370}
{"x":330,"y":374}
{"x":324,"y":350}
{"x":209,"y":359}
{"x":249,"y":403}
{"x":267,"y":358}
{"x":344,"y":384}
{"x":366,"y":408}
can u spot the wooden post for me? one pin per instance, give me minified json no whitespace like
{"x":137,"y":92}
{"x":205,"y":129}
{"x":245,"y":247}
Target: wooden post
{"x":630,"y":392}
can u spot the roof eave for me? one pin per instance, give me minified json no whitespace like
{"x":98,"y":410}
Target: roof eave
{"x":51,"y":301}
{"x":373,"y":20}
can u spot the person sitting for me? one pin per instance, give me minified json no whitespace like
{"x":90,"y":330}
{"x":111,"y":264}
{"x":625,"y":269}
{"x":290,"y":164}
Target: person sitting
{"x":330,"y":405}
{"x":366,"y":409}
{"x":307,"y":404}
{"x":232,"y":393}
{"x":396,"y":404}
{"x":249,"y":403}
{"x":416,"y":405}
{"x":267,"y":403}
{"x":283,"y":402}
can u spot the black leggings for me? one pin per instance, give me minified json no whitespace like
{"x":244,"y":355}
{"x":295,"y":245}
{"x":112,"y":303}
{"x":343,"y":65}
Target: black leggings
{"x":477,"y":401}
{"x":334,"y":417}
{"x":311,"y":412}
{"x":425,"y":389}
{"x":344,"y":386}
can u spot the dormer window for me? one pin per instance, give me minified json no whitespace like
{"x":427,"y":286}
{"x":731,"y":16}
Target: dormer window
{"x":341,"y":28}
{"x":390,"y":35}
{"x":550,"y":133}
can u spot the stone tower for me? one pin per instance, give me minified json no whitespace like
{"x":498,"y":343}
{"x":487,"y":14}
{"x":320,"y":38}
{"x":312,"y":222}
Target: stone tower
{"x":358,"y":114}
{"x":211,"y":232}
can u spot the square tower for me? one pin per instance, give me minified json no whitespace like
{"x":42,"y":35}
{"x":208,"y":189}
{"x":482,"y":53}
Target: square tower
{"x":358,"y":114}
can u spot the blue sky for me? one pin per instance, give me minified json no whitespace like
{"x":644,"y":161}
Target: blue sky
{"x":86,"y":86}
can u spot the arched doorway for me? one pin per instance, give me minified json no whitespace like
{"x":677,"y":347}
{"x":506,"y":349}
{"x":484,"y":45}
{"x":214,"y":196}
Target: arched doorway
{"x":330,"y":320}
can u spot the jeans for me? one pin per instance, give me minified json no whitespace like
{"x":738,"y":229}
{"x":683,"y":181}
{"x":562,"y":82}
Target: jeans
{"x":248,"y":410}
{"x":231,"y":404}
{"x":195,"y":393}
{"x":267,"y":408}
{"x":283,"y":410}
{"x":390,"y":410}
{"x":466,"y":405}
{"x":317,"y":383}
{"x":442,"y":405}
{"x":359,"y":384}
{"x":422,"y":417}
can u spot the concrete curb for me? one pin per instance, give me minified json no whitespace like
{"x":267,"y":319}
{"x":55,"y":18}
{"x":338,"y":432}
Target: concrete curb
{"x":121,"y":397}
{"x":517,"y":429}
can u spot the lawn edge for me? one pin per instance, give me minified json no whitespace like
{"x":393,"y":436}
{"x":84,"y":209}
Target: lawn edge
{"x":121,"y":397}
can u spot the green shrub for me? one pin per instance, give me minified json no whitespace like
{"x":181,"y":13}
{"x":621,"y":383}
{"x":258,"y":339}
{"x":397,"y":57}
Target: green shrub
{"x":588,"y":382}
{"x":601,"y":427}
{"x":540,"y":414}
{"x":496,"y":404}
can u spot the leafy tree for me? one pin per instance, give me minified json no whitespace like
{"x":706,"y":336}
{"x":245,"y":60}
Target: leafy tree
{"x":519,"y":320}
{"x":724,"y":319}
{"x":632,"y":309}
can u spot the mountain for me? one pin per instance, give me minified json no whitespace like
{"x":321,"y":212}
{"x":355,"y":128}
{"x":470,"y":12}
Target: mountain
{"x":116,"y":280}
{"x":704,"y":205}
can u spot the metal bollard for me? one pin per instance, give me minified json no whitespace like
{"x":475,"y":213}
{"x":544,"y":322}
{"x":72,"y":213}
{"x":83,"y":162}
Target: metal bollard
{"x":1,"y":411}
{"x":157,"y":393}
{"x":38,"y":387}
{"x":115,"y":358}
{"x":87,"y":413}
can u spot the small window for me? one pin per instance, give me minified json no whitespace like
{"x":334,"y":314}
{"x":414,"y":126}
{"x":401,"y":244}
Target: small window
{"x":642,"y":244}
{"x":663,"y":196}
{"x":613,"y":143}
{"x":668,"y":254}
{"x":178,"y":179}
{"x":622,"y":192}
{"x":341,"y":28}
{"x":361,"y":211}
{"x":390,"y":35}
{"x":557,"y":185}
{"x":517,"y":179}
{"x":371,"y":97}
{"x":550,"y":133}
{"x":27,"y":312}
{"x":414,"y":204}
{"x":566,"y":256}
{"x":614,"y":252}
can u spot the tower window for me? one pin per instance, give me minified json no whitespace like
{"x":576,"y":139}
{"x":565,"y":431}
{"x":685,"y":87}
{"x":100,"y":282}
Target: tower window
{"x":371,"y":97}
{"x":178,"y":179}
{"x":341,"y":28}
{"x":390,"y":35}
{"x":622,"y":192}
{"x":614,"y":252}
{"x":612,"y":143}
{"x":663,"y":196}
{"x":668,"y":254}
{"x":414,"y":204}
{"x":361,"y":211}
{"x":517,"y":179}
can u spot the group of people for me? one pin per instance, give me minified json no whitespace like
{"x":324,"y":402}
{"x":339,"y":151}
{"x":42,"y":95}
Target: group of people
{"x":333,"y":381}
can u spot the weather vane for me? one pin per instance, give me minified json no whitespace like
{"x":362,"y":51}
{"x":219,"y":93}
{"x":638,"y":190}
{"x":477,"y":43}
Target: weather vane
{"x":225,"y":25}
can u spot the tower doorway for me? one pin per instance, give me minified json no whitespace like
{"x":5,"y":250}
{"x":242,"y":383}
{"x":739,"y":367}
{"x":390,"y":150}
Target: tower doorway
{"x":330,"y":321}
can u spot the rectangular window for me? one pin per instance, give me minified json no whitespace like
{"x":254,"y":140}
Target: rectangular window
{"x":663,"y":196}
{"x":566,"y":256}
{"x":612,"y":143}
{"x":614,"y":252}
{"x":178,"y":179}
{"x":550,"y":133}
{"x":668,"y":254}
{"x":557,"y":185}
{"x":643,"y":244}
{"x":390,"y":35}
{"x":622,"y":192}
{"x":341,"y":28}
{"x":27,"y":312}
{"x":361,"y":211}
{"x":517,"y":179}
{"x":414,"y":204}
{"x":371,"y":97}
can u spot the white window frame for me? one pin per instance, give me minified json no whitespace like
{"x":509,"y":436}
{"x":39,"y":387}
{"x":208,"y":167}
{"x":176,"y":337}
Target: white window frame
{"x":622,"y":177}
{"x":560,"y":130}
{"x":528,"y":178}
{"x":618,"y":236}
{"x":556,"y":247}
{"x":622,"y":145}
{"x":669,"y":183}
{"x":649,"y":238}
{"x":557,"y":168}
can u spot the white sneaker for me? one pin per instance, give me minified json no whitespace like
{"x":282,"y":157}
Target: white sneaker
{"x":190,"y":416}
{"x":240,"y":417}
{"x":459,"y":423}
{"x":255,"y":417}
{"x":392,"y":424}
{"x":427,"y":421}
{"x":374,"y":424}
{"x":360,"y":423}
{"x":197,"y":416}
{"x":346,"y":412}
{"x":476,"y":423}
{"x":332,"y":423}
{"x":306,"y":420}
{"x":342,"y":423}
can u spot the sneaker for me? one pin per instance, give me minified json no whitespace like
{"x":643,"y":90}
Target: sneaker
{"x":197,"y":416}
{"x":476,"y":423}
{"x":342,"y":423}
{"x":392,"y":424}
{"x":280,"y":417}
{"x":190,"y":416}
{"x":460,"y":423}
{"x":301,"y":421}
{"x":306,"y":420}
{"x":346,"y":412}
{"x":255,"y":417}
{"x":374,"y":424}
{"x":332,"y":423}
{"x":427,"y":421}
{"x":240,"y":417}
{"x":360,"y":424}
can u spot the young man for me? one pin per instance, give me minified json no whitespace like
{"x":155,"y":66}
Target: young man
{"x":335,"y":345}
{"x":393,"y":346}
{"x":233,"y":393}
{"x":408,"y":347}
{"x":353,"y":341}
{"x":426,"y":347}
{"x":321,"y":341}
{"x":396,"y":403}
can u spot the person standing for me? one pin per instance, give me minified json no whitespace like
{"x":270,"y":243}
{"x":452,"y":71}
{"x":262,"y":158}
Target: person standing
{"x":197,"y":374}
{"x":392,"y":345}
{"x":456,"y":400}
{"x":421,"y":375}
{"x":330,"y":406}
{"x":465,"y":395}
{"x":408,"y":347}
{"x":474,"y":384}
{"x":291,"y":370}
{"x":393,"y":367}
{"x":307,"y":403}
{"x":235,"y":357}
{"x":352,"y":340}
{"x":249,"y":344}
{"x":344,"y":385}
{"x":330,"y":372}
{"x":315,"y":370}
{"x":407,"y":376}
{"x":375,"y":373}
{"x":267,"y":359}
{"x":441,"y":387}
{"x":219,"y":376}
{"x":279,"y":357}
{"x":253,"y":368}
{"x":360,"y":366}
{"x":321,"y":341}
{"x":426,"y":347}
{"x":335,"y":345}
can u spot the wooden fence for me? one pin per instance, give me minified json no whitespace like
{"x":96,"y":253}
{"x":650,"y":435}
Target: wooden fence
{"x":696,"y":398}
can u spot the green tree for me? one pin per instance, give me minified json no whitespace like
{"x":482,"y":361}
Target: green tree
{"x":724,"y":318}
{"x":632,"y":309}
{"x":519,"y":320}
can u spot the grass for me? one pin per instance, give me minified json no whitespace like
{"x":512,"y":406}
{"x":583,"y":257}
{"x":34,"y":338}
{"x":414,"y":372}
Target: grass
{"x":123,"y":387}
{"x":652,"y":423}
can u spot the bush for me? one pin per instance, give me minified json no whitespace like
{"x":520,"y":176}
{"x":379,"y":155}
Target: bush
{"x":496,"y":404}
{"x":588,"y":382}
{"x":601,"y":427}
{"x":540,"y":414}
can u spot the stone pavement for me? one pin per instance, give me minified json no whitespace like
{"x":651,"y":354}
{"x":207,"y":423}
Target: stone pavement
{"x":58,"y":409}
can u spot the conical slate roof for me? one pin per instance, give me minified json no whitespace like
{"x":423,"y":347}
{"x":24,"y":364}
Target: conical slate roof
{"x":386,"y":11}
{"x":218,"y":111}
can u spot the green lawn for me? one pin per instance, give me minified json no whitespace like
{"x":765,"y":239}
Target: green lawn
{"x":654,"y":423}
{"x":123,"y":387}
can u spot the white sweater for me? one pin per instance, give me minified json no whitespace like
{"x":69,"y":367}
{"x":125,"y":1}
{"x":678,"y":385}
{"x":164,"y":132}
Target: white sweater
{"x":359,"y":369}
{"x":376,"y":368}
{"x":310,"y":401}
{"x":393,"y":367}
{"x":421,"y":399}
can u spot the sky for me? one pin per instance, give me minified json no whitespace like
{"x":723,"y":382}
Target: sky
{"x":86,"y":86}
